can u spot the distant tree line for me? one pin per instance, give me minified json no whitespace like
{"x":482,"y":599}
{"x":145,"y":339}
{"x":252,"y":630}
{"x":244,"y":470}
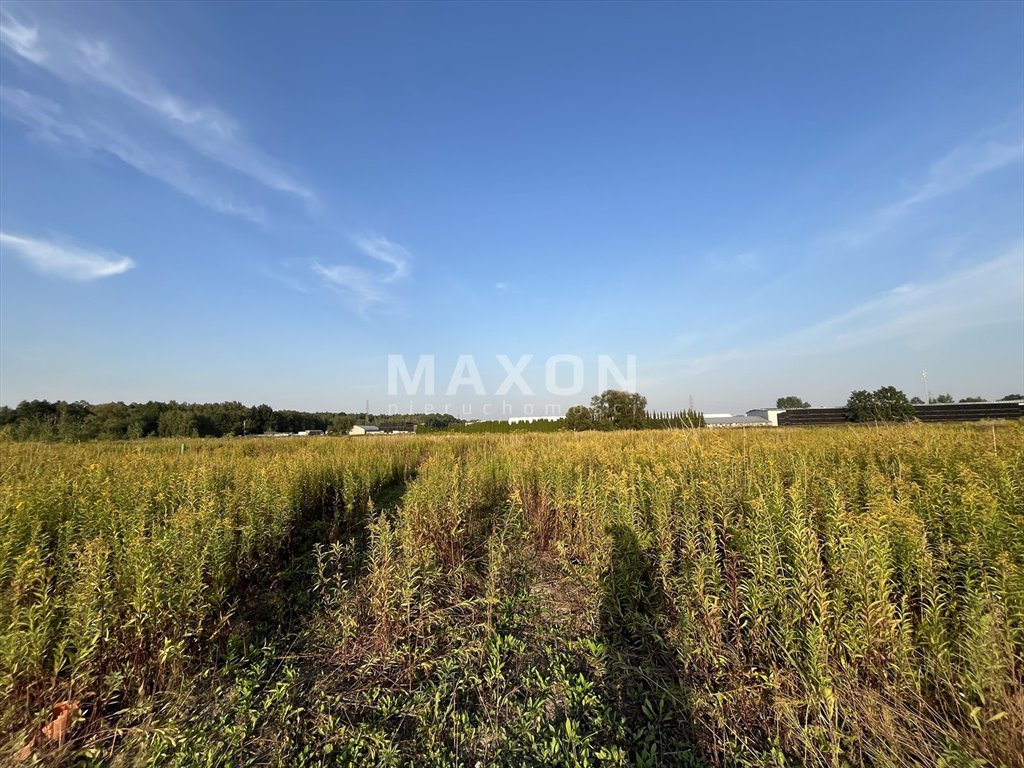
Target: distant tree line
{"x":612,"y":409}
{"x":947,"y":398}
{"x":615,"y":409}
{"x":77,"y":421}
{"x":891,"y":404}
{"x":687,"y":419}
{"x":791,"y":401}
{"x":504,"y":428}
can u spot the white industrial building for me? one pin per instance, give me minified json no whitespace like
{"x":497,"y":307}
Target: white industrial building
{"x":756,"y":417}
{"x":384,"y":429}
{"x":364,"y":429}
{"x":772,"y":414}
{"x":723,"y":420}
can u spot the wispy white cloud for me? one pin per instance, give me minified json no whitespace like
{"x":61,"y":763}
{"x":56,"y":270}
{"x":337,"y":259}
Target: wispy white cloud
{"x":980,"y":295}
{"x":209,"y":130}
{"x":94,"y":64}
{"x":46,"y":119}
{"x":958,"y":169}
{"x":65,"y":261}
{"x":41,"y":115}
{"x":383,"y":250}
{"x":502,"y":287}
{"x":360,"y":287}
{"x":954,"y":171}
{"x":363,"y":287}
{"x":21,"y":39}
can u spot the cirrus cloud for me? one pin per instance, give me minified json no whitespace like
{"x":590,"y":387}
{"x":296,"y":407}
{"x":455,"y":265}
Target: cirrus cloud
{"x":112,"y":103}
{"x":66,"y":261}
{"x":363,"y":287}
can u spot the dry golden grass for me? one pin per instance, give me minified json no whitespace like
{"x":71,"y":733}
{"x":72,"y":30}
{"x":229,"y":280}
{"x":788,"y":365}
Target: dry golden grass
{"x":848,"y":596}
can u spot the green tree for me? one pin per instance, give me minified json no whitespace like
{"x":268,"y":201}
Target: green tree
{"x":438,"y":420}
{"x":615,"y":409}
{"x":860,"y":406}
{"x":178,"y":423}
{"x":884,"y":404}
{"x":916,"y":401}
{"x":944,"y":399}
{"x":791,"y":401}
{"x":893,"y":405}
{"x":579,"y":418}
{"x":978,"y":399}
{"x":1012,"y":397}
{"x":341,"y":424}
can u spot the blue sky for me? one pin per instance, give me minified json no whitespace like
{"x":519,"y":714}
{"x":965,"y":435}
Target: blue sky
{"x":262,"y":202}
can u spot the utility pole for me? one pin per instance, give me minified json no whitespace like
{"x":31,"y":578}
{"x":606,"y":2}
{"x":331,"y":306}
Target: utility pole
{"x":367,"y":412}
{"x":924,"y":378}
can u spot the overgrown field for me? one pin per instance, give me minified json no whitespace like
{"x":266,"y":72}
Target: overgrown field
{"x":847,"y":596}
